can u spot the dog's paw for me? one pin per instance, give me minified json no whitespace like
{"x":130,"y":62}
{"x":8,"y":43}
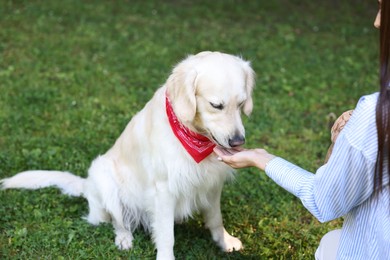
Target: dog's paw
{"x":231,"y":243}
{"x":165,"y":256}
{"x":124,"y":240}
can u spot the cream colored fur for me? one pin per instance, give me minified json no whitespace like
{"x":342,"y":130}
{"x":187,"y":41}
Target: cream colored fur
{"x":147,"y":177}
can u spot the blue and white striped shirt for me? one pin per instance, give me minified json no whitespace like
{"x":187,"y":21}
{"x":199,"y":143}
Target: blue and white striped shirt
{"x":344,"y":187}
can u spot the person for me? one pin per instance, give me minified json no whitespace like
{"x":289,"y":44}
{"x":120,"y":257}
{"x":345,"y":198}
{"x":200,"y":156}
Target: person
{"x":354,"y":183}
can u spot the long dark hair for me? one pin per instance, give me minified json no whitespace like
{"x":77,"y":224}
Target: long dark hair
{"x":383,"y":104}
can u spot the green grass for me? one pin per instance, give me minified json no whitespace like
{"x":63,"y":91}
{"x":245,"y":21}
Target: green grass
{"x":73,"y":73}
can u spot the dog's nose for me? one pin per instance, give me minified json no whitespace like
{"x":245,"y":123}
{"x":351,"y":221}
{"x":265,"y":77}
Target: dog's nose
{"x":237,"y":140}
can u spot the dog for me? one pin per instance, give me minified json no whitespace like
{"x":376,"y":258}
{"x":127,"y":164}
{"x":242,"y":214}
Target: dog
{"x":161,"y":168}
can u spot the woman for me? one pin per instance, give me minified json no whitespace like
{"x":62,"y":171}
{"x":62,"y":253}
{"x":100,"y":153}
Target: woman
{"x":354,"y":183}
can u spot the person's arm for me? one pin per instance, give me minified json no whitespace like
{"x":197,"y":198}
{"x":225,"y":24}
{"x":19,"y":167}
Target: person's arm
{"x":333,"y":191}
{"x":337,"y":187}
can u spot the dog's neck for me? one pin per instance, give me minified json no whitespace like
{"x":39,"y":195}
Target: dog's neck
{"x":197,"y":145}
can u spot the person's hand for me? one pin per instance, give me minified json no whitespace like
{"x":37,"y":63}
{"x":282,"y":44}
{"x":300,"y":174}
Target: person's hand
{"x":336,"y":129}
{"x":241,"y":158}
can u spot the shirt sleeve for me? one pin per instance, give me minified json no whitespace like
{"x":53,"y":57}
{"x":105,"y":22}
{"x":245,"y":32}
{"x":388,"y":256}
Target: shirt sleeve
{"x":345,"y":181}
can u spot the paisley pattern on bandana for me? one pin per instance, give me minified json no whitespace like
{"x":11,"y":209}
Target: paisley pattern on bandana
{"x":197,"y":145}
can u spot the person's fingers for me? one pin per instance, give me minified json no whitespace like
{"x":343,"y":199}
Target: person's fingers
{"x":223,"y":151}
{"x":219,"y":151}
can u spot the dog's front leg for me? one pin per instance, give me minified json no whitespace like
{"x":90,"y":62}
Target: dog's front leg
{"x":163,"y":222}
{"x":213,"y":221}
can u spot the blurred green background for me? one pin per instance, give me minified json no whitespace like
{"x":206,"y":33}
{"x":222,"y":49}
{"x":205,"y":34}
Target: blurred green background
{"x":73,"y":73}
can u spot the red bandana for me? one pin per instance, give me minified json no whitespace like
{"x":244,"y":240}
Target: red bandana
{"x":197,"y":145}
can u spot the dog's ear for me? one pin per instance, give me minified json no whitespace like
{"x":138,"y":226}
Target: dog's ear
{"x":181,"y":88}
{"x":249,"y":84}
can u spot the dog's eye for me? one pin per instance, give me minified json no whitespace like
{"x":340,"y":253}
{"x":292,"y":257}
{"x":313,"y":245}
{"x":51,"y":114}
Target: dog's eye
{"x":217,"y":106}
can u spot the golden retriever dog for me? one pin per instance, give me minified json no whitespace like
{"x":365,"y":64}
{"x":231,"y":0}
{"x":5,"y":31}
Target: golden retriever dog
{"x":161,"y":168}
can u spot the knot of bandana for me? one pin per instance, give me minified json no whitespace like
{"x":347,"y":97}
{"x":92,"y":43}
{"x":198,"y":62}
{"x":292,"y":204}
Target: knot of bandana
{"x":197,"y":145}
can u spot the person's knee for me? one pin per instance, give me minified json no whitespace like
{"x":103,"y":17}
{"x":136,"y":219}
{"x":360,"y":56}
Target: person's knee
{"x":329,"y":244}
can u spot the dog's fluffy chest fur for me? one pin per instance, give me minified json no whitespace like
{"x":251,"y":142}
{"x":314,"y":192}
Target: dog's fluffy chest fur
{"x":191,"y":183}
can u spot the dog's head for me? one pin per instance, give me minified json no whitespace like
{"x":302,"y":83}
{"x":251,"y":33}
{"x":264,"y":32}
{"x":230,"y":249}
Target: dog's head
{"x":208,"y":91}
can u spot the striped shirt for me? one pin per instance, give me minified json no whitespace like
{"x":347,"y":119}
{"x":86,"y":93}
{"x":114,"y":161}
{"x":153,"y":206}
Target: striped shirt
{"x":344,"y":187}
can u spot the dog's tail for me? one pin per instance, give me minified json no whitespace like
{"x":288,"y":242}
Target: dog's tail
{"x":68,"y":183}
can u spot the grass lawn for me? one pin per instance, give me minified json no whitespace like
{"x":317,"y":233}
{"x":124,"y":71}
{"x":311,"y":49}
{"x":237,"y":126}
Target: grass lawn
{"x":73,"y":73}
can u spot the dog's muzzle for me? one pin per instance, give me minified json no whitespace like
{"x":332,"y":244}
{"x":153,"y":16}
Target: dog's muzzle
{"x":237,"y":140}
